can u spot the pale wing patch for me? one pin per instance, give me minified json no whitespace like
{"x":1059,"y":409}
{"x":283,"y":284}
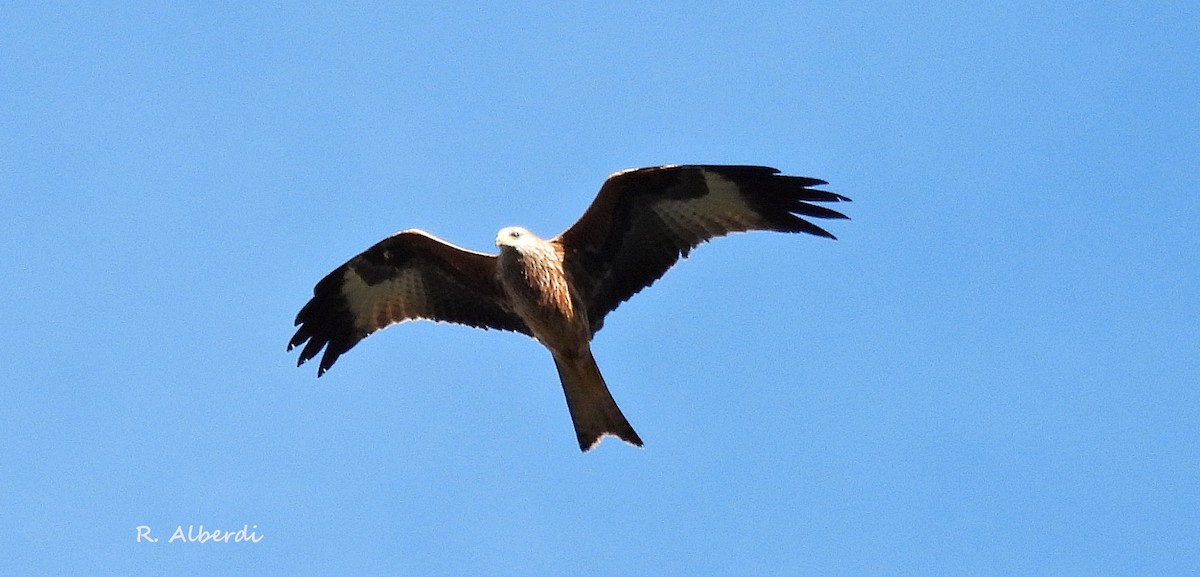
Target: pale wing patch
{"x":714,"y":214}
{"x":391,"y":301}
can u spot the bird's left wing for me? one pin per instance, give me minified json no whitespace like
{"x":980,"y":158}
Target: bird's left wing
{"x":409,"y":275}
{"x":643,"y":220}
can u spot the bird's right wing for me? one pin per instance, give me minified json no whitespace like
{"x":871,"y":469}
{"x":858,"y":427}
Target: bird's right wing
{"x":409,"y":275}
{"x":644,"y":220}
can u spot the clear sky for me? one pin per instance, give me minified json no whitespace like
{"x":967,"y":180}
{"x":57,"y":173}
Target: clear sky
{"x":993,"y":371}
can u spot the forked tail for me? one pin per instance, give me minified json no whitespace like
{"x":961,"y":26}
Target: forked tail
{"x":593,"y":410}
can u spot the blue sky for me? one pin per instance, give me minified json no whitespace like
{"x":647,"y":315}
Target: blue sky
{"x":993,"y":371}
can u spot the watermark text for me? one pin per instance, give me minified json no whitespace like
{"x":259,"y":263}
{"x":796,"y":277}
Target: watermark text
{"x":198,"y":534}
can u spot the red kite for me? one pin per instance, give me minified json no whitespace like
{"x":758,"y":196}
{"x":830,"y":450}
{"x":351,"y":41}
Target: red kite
{"x":558,"y":291}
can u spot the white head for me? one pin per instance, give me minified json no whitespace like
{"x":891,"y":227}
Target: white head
{"x":515,"y":237}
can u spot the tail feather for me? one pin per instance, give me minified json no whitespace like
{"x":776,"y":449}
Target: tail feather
{"x":593,"y":410}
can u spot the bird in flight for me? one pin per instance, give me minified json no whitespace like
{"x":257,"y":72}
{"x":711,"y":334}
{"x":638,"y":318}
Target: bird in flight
{"x":558,"y":291}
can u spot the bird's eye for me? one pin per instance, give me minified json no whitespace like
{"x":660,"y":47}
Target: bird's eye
{"x":515,"y":234}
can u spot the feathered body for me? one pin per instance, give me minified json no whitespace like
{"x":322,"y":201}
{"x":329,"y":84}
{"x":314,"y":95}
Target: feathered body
{"x":532,"y":274}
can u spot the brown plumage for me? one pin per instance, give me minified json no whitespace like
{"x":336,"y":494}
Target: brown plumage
{"x":558,"y":291}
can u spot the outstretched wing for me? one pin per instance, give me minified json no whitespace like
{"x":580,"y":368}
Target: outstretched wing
{"x":644,"y":219}
{"x":409,"y":275}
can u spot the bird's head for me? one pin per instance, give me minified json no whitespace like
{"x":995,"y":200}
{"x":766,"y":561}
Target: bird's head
{"x":514,"y":237}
